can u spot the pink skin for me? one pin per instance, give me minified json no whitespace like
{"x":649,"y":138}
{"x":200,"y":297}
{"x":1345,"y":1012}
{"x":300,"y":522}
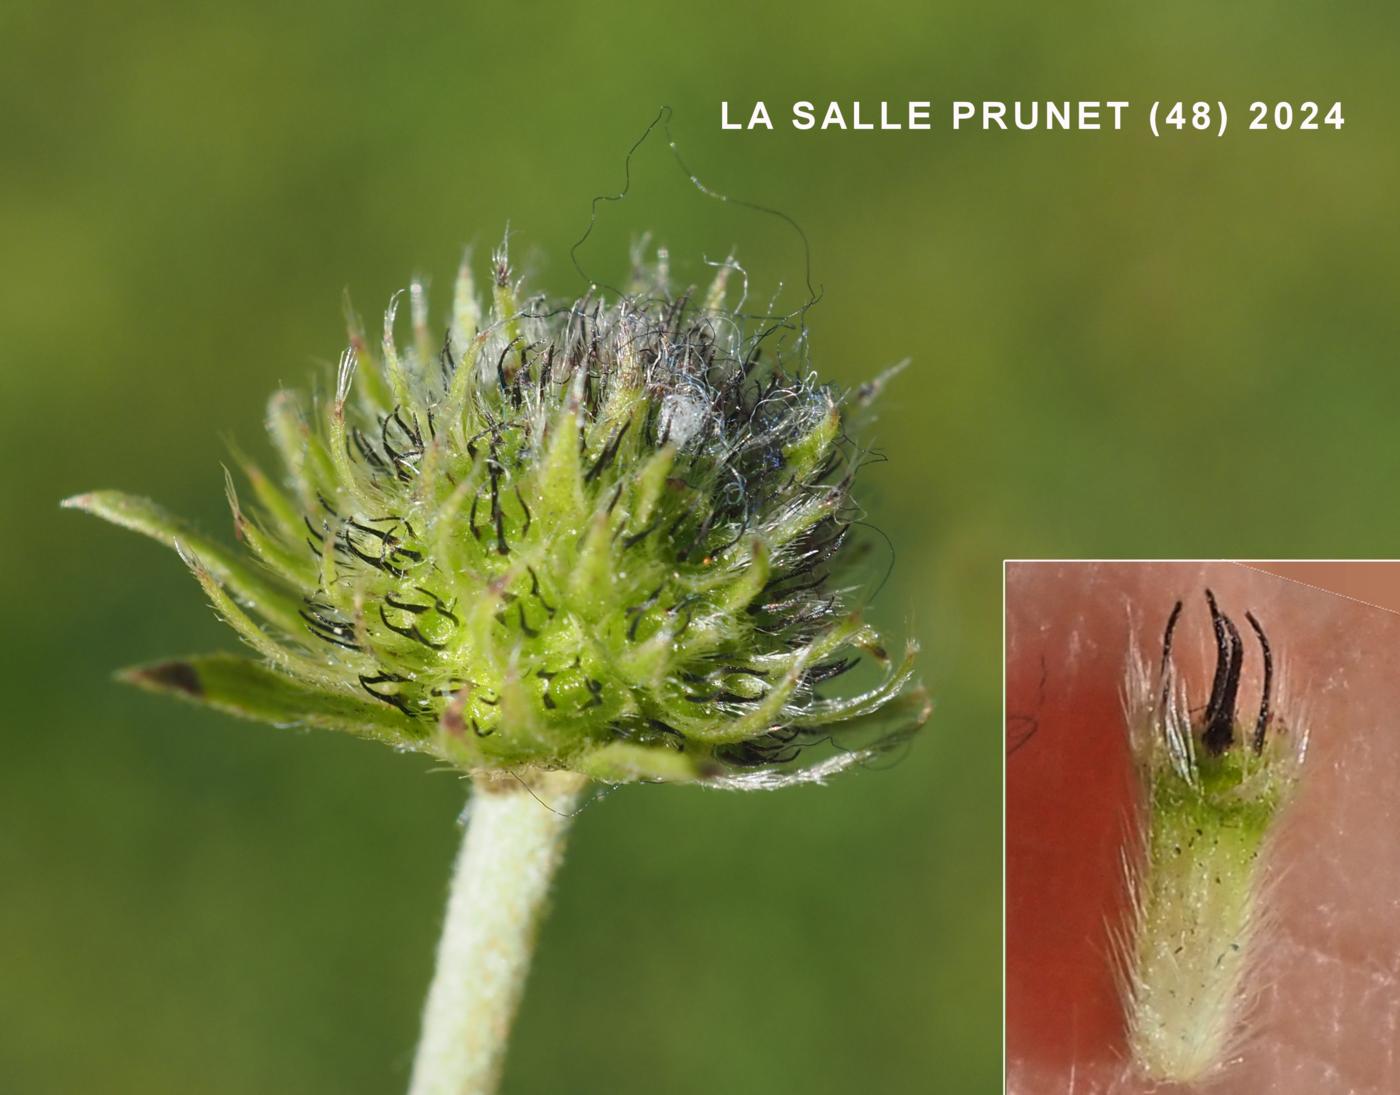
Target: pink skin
{"x":1326,"y":1017}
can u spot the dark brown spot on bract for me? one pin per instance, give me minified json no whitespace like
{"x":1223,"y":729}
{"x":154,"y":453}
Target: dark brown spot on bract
{"x":452,"y":721}
{"x":175,"y":676}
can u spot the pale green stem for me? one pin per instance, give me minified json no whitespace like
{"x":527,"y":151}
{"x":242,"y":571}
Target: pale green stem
{"x":513,"y":845}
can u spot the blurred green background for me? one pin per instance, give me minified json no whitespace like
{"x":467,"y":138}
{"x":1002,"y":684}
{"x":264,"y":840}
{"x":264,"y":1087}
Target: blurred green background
{"x":1121,"y":346}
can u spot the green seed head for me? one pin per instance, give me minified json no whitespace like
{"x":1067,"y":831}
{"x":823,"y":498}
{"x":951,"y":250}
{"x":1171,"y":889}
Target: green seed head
{"x":605,"y":536}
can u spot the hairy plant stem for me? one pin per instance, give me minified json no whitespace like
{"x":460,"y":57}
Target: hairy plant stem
{"x":512,"y":847}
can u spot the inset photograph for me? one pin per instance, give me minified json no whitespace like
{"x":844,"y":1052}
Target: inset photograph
{"x":1202,"y":827}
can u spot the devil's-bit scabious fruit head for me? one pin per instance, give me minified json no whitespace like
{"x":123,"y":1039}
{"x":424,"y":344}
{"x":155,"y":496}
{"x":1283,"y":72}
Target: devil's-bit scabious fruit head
{"x":603,"y":536}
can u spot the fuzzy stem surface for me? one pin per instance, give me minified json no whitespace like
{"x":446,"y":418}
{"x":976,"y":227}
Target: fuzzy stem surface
{"x":513,"y":845}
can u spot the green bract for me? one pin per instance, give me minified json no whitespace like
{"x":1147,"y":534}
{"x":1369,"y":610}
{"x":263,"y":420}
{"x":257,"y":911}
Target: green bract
{"x":599,"y":536}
